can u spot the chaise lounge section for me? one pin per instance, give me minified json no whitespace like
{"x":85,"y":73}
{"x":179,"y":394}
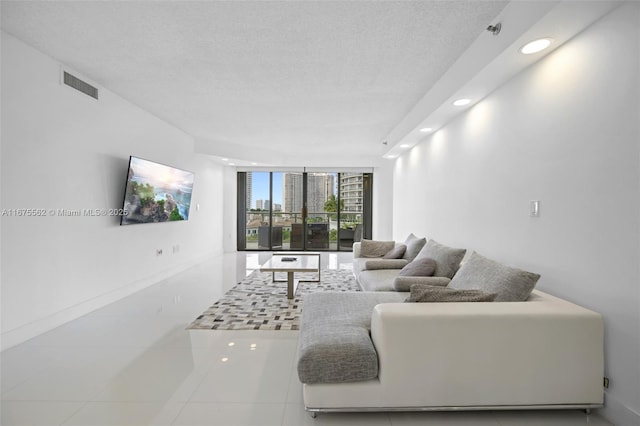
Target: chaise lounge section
{"x":371,"y":350}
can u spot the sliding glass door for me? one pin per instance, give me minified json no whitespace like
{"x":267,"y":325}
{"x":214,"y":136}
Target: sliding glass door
{"x":297,"y":211}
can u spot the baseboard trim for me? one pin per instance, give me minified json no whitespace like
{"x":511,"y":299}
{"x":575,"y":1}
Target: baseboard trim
{"x":28,"y":331}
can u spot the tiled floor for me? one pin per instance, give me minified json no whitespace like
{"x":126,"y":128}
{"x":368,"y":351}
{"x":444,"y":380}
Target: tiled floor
{"x":133,"y":363}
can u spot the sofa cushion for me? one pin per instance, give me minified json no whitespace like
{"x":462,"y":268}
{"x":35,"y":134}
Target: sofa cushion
{"x":404,"y":283}
{"x":334,"y":344}
{"x":414,"y":245}
{"x":425,"y":293}
{"x":447,"y":258}
{"x":481,"y":273}
{"x":422,"y":267}
{"x":372,"y":248}
{"x":361,"y":264}
{"x":371,"y":264}
{"x":343,"y":353}
{"x":378,"y":280}
{"x":396,"y":253}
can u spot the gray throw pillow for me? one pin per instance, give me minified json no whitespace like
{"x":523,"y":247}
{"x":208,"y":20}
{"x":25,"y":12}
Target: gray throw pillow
{"x":404,"y":283}
{"x":371,"y":248}
{"x":414,"y":245}
{"x":480,"y":273}
{"x":447,"y":258}
{"x":423,"y":267}
{"x":426,"y":293}
{"x":396,"y":252}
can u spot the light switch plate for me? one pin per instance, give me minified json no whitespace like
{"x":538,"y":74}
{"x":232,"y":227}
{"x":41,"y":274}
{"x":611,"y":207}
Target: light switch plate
{"x":534,"y":208}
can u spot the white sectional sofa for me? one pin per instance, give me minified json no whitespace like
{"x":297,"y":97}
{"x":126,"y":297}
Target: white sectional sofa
{"x":542,"y":353}
{"x":372,"y":351}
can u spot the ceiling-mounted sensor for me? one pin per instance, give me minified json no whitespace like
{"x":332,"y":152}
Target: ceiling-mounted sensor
{"x":495,"y":29}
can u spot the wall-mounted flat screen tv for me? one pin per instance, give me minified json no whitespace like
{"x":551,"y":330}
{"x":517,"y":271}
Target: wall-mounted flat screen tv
{"x":156,"y":193}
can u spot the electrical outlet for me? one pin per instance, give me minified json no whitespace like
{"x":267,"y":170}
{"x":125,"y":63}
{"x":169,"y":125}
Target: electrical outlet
{"x":605,"y":383}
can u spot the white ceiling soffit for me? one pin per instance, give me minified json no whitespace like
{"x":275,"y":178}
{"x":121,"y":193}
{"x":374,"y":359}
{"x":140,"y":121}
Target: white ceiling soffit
{"x":286,"y":81}
{"x":494,"y":60}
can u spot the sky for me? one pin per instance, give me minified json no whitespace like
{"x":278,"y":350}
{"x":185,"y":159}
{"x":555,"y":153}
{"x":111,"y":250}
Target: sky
{"x":260,"y":187}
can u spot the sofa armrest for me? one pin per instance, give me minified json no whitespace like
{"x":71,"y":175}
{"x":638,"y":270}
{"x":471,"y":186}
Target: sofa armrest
{"x":357,"y":253}
{"x":377,"y":262}
{"x":404,"y":283}
{"x":491,"y":353}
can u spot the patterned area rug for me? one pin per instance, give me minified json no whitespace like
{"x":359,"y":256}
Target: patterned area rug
{"x":257,"y":303}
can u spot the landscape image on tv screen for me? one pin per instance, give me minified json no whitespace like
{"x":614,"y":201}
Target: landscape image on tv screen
{"x":156,"y":193}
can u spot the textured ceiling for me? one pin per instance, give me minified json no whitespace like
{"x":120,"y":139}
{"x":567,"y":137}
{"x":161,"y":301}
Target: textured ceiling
{"x":311,"y":77}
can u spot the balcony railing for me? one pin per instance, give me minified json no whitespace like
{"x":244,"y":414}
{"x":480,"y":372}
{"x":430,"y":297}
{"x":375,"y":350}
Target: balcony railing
{"x":288,"y":233}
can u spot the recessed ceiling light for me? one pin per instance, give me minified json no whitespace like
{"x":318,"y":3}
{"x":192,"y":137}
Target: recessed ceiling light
{"x":462,"y":102}
{"x":225,"y":159}
{"x":232,"y":164}
{"x":426,"y":129}
{"x":405,"y":145}
{"x":535,"y":46}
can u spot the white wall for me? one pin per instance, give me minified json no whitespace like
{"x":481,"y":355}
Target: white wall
{"x":230,"y":201}
{"x":383,"y":202}
{"x":64,"y":150}
{"x":565,"y":132}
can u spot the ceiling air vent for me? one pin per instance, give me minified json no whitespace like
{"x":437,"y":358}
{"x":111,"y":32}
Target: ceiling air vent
{"x":76,"y":83}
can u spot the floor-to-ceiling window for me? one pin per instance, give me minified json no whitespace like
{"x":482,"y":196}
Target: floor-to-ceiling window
{"x":296,"y":210}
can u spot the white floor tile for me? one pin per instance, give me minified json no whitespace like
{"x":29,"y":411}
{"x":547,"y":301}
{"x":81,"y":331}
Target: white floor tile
{"x":252,"y":368}
{"x":125,"y":414}
{"x":466,"y":418}
{"x":134,"y":363}
{"x":548,"y":418}
{"x":37,"y":413}
{"x":226,"y":414}
{"x":58,"y":386}
{"x":183,"y":338}
{"x":294,"y":394}
{"x":160,"y":375}
{"x":21,"y":363}
{"x":71,"y":373}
